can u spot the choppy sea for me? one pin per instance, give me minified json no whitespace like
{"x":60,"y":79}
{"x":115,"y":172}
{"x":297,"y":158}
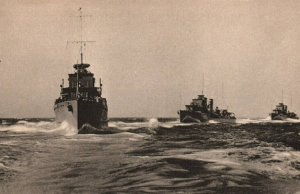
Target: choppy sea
{"x":150,"y":156}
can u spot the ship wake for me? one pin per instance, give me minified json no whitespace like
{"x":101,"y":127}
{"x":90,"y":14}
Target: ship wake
{"x":23,"y":126}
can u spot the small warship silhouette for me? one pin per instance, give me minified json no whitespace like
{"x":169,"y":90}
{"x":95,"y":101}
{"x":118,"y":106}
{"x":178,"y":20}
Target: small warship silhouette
{"x":281,"y":113}
{"x":201,"y":111}
{"x":81,"y":103}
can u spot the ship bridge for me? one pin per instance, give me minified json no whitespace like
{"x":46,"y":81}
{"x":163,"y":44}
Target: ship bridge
{"x":81,"y":68}
{"x":85,"y":78}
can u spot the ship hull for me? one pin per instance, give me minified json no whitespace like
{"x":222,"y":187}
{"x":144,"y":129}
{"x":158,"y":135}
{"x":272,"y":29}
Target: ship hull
{"x":198,"y":117}
{"x":67,"y":111}
{"x":282,"y":117}
{"x":80,"y":114}
{"x":279,"y":117}
{"x":192,"y":117}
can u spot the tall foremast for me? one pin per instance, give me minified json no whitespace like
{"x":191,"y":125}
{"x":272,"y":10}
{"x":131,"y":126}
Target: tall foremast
{"x":82,"y":66}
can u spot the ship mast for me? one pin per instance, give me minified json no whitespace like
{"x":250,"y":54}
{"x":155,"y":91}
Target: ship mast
{"x":224,"y":103}
{"x":82,"y":44}
{"x":291,"y":101}
{"x":282,"y":95}
{"x":77,"y":84}
{"x":222,"y":93}
{"x":100,"y":87}
{"x":81,"y":54}
{"x":202,"y":83}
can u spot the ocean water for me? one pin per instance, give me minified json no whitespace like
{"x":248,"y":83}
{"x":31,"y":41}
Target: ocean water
{"x":150,"y":156}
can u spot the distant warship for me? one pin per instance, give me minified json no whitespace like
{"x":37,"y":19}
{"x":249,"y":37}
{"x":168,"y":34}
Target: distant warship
{"x":281,"y":113}
{"x":200,"y":111}
{"x":81,"y":103}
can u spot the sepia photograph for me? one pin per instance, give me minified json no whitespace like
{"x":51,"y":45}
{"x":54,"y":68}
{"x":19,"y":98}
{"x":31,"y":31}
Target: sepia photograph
{"x":150,"y":96}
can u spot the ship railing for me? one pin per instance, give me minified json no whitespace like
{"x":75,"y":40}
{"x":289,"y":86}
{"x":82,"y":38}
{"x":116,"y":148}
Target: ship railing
{"x":91,"y":99}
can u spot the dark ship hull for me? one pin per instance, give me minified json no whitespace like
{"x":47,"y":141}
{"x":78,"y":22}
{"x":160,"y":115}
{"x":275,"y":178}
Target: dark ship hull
{"x":197,"y":117}
{"x":279,"y":117}
{"x":80,"y":114}
{"x":226,"y":118}
{"x":191,"y":117}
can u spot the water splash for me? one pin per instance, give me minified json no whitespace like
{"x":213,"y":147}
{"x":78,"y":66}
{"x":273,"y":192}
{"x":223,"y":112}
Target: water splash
{"x":153,"y":123}
{"x":22,"y":126}
{"x":125,"y":126}
{"x":213,"y":122}
{"x":66,"y":129}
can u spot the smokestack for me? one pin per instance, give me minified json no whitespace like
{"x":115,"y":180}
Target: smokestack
{"x":211,"y":105}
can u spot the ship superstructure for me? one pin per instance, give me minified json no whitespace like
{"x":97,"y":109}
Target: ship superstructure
{"x":81,"y":102}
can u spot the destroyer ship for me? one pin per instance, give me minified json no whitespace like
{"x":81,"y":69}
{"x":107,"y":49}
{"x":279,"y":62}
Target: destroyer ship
{"x":81,"y":103}
{"x":199,"y":110}
{"x":281,"y":112}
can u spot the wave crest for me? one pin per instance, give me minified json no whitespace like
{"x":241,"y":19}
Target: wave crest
{"x":22,"y":126}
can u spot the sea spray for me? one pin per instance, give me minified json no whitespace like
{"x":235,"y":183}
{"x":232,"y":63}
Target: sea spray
{"x":63,"y":128}
{"x":66,"y":129}
{"x":153,"y":123}
{"x":129,"y":126}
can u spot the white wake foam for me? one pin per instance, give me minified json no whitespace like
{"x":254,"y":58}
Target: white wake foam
{"x":41,"y":127}
{"x":213,"y":122}
{"x":266,"y":120}
{"x":151,"y":123}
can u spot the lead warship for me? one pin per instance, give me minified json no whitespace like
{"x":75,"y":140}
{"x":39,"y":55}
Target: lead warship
{"x":281,"y":113}
{"x":81,"y":103}
{"x":200,"y":111}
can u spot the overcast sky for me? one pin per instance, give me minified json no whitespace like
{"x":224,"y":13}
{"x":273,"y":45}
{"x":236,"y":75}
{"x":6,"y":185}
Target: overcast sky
{"x":152,"y":55}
